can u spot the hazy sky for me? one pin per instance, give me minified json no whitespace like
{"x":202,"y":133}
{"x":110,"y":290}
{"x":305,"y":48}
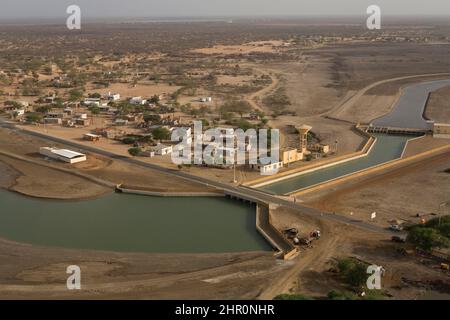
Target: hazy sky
{"x":170,"y":8}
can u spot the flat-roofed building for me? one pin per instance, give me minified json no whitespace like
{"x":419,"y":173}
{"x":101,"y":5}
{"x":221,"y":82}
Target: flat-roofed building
{"x":162,"y":150}
{"x":290,"y":156}
{"x":91,"y":137}
{"x":441,"y":130}
{"x":64,"y":155}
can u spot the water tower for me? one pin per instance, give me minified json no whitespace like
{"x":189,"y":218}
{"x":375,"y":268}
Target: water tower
{"x":303,"y":131}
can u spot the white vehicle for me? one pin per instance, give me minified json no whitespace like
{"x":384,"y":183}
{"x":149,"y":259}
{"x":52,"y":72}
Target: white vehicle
{"x":396,"y":227}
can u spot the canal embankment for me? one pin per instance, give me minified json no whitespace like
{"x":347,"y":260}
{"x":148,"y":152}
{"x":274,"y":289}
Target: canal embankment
{"x":317,"y":165}
{"x":393,"y":164}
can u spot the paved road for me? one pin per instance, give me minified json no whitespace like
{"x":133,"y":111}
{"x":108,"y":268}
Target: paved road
{"x":242,"y":190}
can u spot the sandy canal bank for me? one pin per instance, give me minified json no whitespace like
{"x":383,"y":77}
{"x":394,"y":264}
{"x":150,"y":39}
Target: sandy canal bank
{"x":26,"y":172}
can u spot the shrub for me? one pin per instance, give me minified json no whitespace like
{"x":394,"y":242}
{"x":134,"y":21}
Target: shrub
{"x":353,"y":272}
{"x":427,"y":238}
{"x":134,"y":151}
{"x":341,"y":295}
{"x":33,"y":117}
{"x":292,"y":297}
{"x":129,"y":140}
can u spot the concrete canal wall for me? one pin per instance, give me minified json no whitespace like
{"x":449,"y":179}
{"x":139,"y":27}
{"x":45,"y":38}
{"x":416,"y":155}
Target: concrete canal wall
{"x":124,"y":189}
{"x":386,"y":165}
{"x":365,"y":150}
{"x":285,"y":249}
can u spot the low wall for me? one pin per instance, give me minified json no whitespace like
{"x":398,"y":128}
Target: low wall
{"x":121,"y":189}
{"x":265,"y":227}
{"x":386,"y":165}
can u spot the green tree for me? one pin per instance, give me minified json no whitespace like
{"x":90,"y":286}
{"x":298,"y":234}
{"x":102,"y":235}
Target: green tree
{"x":292,"y":297}
{"x":154,"y":99}
{"x":95,"y":95}
{"x":128,"y":140}
{"x":33,"y":117}
{"x":75,"y":95}
{"x":94,"y":110}
{"x":161,"y":133}
{"x":152,"y":118}
{"x":135,"y":151}
{"x":353,"y":272}
{"x":427,"y":238}
{"x":341,"y":295}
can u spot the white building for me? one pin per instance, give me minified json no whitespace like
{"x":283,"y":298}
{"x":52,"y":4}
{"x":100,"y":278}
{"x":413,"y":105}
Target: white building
{"x":205,"y":99}
{"x":92,"y":102}
{"x":63,"y":155}
{"x":267,"y":169}
{"x":138,"y":100}
{"x":162,"y":150}
{"x":17,"y":112}
{"x":112,"y":96}
{"x":81,"y":115}
{"x":120,"y":122}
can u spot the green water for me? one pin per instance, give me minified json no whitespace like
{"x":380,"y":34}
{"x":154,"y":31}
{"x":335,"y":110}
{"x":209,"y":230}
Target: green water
{"x":131,"y":223}
{"x":386,"y":148}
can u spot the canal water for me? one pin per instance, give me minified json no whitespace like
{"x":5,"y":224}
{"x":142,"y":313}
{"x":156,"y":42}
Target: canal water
{"x":132,"y":223}
{"x":386,"y":148}
{"x":408,"y":112}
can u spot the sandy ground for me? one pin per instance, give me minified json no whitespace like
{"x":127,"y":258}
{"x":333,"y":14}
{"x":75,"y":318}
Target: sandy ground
{"x":309,"y":274}
{"x":145,"y":90}
{"x":438,"y":107}
{"x":307,"y":83}
{"x":398,"y":195}
{"x":246,"y":48}
{"x":113,"y":171}
{"x":32,"y":272}
{"x":43,"y":182}
{"x":423,"y":144}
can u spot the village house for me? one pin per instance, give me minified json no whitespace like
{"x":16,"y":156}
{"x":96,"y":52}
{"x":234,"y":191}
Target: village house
{"x":110,"y":133}
{"x":112,"y":96}
{"x":162,"y":150}
{"x":205,"y":99}
{"x":91,"y":137}
{"x":82,"y":121}
{"x":92,"y":102}
{"x":138,"y":101}
{"x":120,"y":122}
{"x":50,"y":98}
{"x":265,"y":167}
{"x":290,"y":155}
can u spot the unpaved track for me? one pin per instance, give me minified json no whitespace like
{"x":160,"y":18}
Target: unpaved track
{"x":309,"y":259}
{"x":252,"y":98}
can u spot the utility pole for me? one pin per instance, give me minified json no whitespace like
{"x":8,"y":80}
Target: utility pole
{"x":441,"y":211}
